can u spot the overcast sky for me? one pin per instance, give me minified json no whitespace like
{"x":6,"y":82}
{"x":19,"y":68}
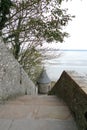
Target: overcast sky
{"x":78,"y":27}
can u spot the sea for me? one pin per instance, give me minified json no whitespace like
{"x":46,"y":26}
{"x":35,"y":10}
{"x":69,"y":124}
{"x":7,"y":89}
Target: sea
{"x":69,"y":60}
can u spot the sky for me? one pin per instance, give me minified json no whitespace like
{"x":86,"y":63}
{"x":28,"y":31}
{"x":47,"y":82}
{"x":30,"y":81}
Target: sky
{"x":77,"y":28}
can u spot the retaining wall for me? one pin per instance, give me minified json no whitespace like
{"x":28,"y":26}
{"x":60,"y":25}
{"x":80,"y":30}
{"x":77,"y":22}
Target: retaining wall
{"x":13,"y":79}
{"x":72,"y":87}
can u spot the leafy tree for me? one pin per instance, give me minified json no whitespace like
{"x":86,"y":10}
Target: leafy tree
{"x":32,"y":22}
{"x":31,"y":61}
{"x":35,"y":21}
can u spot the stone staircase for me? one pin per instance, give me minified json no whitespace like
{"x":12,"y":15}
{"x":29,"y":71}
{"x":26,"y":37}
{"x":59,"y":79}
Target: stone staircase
{"x":36,"y":113}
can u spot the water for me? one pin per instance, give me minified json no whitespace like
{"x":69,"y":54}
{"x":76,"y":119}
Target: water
{"x":69,"y":60}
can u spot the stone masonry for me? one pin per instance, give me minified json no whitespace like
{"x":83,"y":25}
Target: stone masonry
{"x":13,"y":79}
{"x":72,"y":88}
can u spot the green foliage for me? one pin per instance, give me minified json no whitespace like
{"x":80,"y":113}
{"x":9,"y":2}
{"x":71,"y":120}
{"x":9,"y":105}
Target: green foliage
{"x":38,"y":20}
{"x":4,"y":11}
{"x":31,"y":61}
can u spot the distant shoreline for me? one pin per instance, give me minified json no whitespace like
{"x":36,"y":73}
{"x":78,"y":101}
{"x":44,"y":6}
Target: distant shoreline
{"x":60,"y":50}
{"x":71,"y":50}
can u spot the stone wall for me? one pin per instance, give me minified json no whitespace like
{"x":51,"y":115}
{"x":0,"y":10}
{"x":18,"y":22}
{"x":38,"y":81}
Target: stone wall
{"x":72,"y":87}
{"x":44,"y":88}
{"x":13,"y":79}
